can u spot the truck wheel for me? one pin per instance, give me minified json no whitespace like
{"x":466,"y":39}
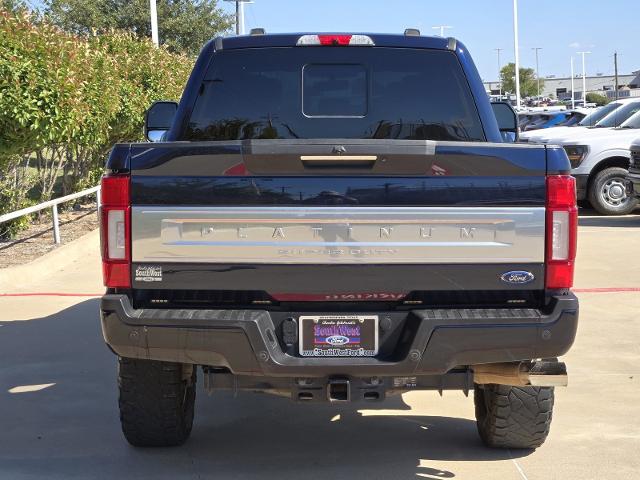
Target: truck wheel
{"x":513,"y":417}
{"x":156,"y":401}
{"x":607,"y":192}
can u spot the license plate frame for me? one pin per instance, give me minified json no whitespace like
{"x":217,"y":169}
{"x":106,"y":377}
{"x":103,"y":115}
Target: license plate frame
{"x":359,"y":331}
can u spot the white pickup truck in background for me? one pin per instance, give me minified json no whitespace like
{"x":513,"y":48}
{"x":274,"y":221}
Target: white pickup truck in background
{"x":600,"y":161}
{"x":611,"y":115}
{"x":598,"y":148}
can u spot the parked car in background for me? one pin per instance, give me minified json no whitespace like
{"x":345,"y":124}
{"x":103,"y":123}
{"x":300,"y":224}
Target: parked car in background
{"x":601,"y":118}
{"x":528,"y":118}
{"x":523,"y":119}
{"x":547,"y":120}
{"x":538,"y":118}
{"x":574,"y":117}
{"x":578,"y":103}
{"x":600,"y":162}
{"x":620,"y":116}
{"x":541,"y":135}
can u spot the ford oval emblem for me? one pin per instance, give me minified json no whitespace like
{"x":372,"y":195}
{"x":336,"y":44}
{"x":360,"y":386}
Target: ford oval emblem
{"x":518,"y":277}
{"x":337,"y":340}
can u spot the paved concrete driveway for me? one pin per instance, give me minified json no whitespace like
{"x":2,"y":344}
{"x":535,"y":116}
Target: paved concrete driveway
{"x":58,"y":415}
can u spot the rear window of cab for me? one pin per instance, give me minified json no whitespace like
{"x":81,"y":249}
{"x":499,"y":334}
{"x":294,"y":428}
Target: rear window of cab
{"x":329,"y":92}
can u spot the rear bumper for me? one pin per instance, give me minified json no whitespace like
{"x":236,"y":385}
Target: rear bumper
{"x":246,"y":341}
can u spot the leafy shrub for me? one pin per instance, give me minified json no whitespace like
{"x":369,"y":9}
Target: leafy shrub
{"x":15,"y":180}
{"x":65,"y":100}
{"x":598,"y":99}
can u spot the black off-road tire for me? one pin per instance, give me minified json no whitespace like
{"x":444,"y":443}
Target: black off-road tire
{"x":513,"y":417}
{"x":156,"y":402}
{"x":606,"y":192}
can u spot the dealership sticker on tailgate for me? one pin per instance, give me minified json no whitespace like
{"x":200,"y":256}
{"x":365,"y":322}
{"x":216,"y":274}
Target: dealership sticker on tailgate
{"x":339,"y":336}
{"x":148,"y":273}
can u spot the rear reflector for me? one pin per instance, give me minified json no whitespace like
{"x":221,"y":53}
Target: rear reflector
{"x":562,"y":229}
{"x":115,"y":225}
{"x":116,"y":231}
{"x":560,"y":236}
{"x":335,"y":40}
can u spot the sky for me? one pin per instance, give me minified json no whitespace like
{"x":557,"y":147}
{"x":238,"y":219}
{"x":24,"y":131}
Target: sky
{"x":560,"y":27}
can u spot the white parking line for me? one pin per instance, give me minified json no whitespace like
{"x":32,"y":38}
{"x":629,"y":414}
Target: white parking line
{"x":30,"y":388}
{"x":633,"y":230}
{"x":518,"y":467}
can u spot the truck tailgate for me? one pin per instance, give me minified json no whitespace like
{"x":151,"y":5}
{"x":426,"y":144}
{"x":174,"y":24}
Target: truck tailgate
{"x":338,"y":219}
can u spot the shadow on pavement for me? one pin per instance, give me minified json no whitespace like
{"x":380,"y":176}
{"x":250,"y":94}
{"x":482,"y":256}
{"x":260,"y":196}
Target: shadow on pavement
{"x":71,"y":429}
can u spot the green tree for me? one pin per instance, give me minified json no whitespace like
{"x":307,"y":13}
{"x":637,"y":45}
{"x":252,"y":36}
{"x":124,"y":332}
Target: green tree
{"x":12,"y":6}
{"x":184,"y":25}
{"x":528,"y":80}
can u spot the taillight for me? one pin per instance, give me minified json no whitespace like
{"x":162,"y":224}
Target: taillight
{"x":562,"y":230}
{"x":332,"y":40}
{"x":115,"y":225}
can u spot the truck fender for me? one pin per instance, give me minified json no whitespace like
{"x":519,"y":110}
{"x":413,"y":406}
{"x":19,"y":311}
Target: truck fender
{"x":615,"y":157}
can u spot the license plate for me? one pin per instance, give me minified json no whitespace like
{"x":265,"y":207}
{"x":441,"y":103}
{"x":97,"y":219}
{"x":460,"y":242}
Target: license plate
{"x":338,"y":335}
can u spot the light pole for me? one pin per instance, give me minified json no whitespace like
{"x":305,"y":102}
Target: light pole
{"x":516,"y":48}
{"x":537,"y":49}
{"x":615,"y":69}
{"x":240,"y":15}
{"x":498,"y":50}
{"x":154,"y":22}
{"x":584,"y":79}
{"x":573,"y":88}
{"x":442,"y":28}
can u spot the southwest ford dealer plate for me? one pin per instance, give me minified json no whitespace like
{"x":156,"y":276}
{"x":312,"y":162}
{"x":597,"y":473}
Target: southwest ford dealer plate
{"x":338,"y":335}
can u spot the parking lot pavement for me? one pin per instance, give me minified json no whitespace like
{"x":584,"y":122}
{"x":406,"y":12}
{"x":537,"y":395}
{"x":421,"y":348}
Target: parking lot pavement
{"x":58,"y":401}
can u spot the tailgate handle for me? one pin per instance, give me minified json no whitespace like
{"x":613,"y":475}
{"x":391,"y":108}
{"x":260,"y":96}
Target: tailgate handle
{"x":333,"y":161}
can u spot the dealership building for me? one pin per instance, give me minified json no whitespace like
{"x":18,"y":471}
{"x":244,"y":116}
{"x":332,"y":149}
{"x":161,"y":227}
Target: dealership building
{"x":560,"y":87}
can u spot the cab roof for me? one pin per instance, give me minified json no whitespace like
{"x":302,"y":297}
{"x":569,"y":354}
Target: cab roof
{"x":291,"y":39}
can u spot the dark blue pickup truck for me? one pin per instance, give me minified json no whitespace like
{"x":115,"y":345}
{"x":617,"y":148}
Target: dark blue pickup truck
{"x":335,"y":218}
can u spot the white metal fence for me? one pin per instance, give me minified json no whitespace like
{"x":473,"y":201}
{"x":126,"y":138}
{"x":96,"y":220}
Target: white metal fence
{"x":53,"y":204}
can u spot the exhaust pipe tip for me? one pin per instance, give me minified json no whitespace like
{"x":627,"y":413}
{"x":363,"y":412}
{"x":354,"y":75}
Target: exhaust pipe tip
{"x":537,"y":373}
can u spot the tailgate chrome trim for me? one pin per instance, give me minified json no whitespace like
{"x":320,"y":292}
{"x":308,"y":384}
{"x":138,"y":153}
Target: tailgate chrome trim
{"x":325,"y":235}
{"x":339,"y":158}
